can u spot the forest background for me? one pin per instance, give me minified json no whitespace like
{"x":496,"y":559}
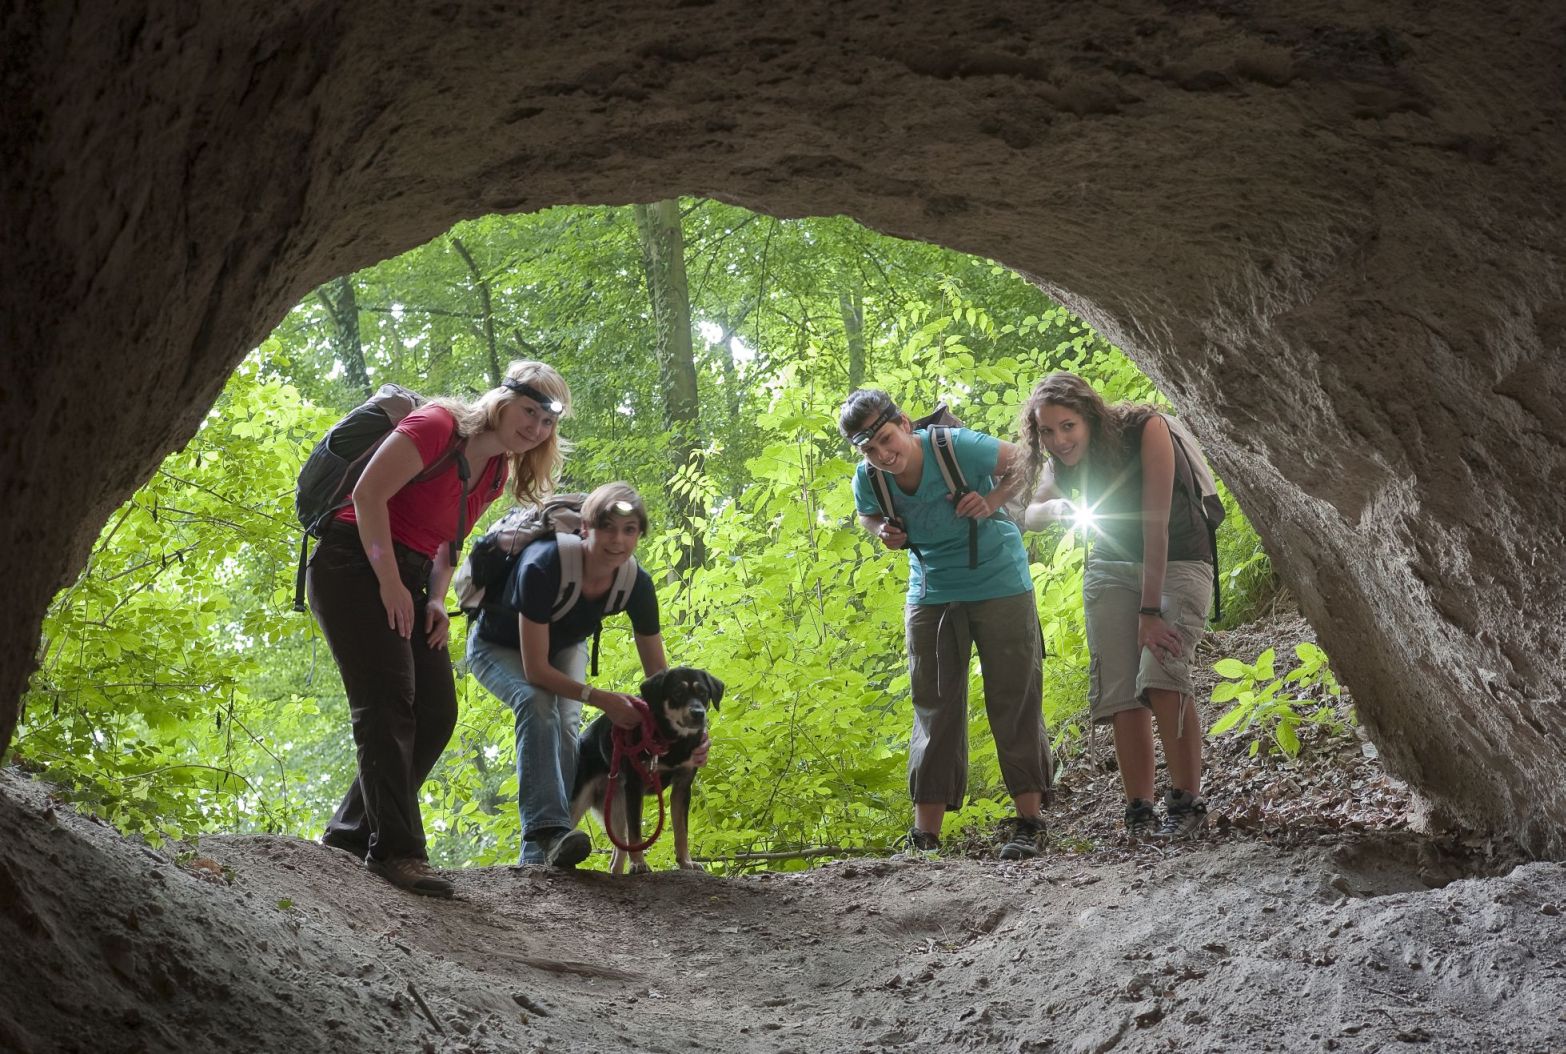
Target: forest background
{"x":708,"y":350}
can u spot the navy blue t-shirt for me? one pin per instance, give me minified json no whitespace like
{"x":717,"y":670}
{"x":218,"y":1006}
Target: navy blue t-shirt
{"x":531,"y":592}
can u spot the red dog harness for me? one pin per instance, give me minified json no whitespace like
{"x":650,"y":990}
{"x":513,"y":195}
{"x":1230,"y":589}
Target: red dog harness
{"x":636,"y":747}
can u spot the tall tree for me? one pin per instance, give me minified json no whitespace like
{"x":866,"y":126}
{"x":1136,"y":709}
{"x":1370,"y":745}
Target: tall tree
{"x":486,"y":308}
{"x":663,"y":260}
{"x":342,"y":306}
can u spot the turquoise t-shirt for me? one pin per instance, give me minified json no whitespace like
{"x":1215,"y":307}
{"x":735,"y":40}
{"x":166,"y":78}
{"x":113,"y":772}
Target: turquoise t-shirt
{"x":942,"y":536}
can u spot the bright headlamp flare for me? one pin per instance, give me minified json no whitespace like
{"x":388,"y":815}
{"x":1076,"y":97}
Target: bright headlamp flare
{"x":622,"y":508}
{"x":1083,"y":519}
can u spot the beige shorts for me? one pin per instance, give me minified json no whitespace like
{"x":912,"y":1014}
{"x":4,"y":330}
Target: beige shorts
{"x":1122,"y":671}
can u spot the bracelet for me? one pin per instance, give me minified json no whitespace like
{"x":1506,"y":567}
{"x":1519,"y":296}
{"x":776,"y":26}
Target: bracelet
{"x":1149,"y":611}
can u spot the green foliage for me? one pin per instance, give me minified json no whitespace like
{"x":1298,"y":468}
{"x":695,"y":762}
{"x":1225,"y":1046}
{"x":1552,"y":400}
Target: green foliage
{"x":1245,"y":572}
{"x":178,"y":692}
{"x":1264,"y":708}
{"x":142,"y":696}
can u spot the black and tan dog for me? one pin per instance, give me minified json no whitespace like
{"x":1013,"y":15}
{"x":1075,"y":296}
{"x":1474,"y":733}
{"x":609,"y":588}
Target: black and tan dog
{"x":678,"y":698}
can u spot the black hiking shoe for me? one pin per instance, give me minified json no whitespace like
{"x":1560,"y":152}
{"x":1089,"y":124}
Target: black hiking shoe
{"x":565,"y":848}
{"x":412,"y":874}
{"x":1024,"y":836}
{"x":1185,"y":817}
{"x":917,"y":845}
{"x":334,"y":840}
{"x":1141,"y":820}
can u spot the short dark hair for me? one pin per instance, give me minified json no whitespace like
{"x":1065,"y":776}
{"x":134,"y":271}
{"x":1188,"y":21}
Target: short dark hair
{"x":862,"y":407}
{"x":600,"y":505}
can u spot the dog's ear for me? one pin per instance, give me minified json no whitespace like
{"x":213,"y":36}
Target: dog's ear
{"x":714,"y":688}
{"x":652,"y":687}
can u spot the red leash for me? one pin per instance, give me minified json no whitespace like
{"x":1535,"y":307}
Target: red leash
{"x":636,"y":752}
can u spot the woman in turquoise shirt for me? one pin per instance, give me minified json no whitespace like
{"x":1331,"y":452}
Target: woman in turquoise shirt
{"x":968,"y":587}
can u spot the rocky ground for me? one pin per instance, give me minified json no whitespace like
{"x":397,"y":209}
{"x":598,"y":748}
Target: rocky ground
{"x":1309,"y":919}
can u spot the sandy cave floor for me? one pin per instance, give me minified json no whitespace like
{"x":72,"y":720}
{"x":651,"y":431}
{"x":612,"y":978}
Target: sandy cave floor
{"x":1310,"y":919}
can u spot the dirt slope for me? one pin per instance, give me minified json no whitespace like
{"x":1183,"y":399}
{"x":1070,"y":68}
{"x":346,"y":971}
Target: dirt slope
{"x":1232,"y":946}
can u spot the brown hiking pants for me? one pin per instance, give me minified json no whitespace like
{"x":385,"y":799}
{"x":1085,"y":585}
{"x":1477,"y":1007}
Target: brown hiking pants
{"x":402,"y":698}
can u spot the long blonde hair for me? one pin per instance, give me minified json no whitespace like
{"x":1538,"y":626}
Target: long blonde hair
{"x":533,"y":474}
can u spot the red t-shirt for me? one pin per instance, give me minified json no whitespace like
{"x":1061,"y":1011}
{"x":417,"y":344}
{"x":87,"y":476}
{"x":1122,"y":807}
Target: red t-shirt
{"x":423,"y":513}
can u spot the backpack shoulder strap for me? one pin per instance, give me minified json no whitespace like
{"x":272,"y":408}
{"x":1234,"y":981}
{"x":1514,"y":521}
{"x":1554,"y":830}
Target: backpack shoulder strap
{"x":619,"y":597}
{"x":1191,"y":452}
{"x":881,"y":485}
{"x":956,"y":483}
{"x":1203,"y":493}
{"x":946,"y":461}
{"x":570,"y":575}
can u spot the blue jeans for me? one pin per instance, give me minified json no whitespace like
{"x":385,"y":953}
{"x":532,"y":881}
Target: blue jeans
{"x":546,"y":727}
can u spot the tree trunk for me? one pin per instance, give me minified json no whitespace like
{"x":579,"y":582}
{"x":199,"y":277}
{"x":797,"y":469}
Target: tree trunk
{"x":663,"y":258}
{"x":342,"y":306}
{"x":487,"y":311}
{"x":851,"y":306}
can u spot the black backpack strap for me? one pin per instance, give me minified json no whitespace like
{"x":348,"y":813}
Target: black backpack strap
{"x":1217,"y":595}
{"x":463,"y":475}
{"x":881,"y":485}
{"x":299,"y":576}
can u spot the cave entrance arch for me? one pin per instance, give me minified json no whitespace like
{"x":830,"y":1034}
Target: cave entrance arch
{"x":1339,"y":254}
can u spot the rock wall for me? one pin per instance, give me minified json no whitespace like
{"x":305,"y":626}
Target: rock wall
{"x":1333,"y":236}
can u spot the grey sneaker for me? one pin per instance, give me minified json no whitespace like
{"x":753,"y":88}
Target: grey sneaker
{"x":1141,"y":820}
{"x":567,"y":848}
{"x":1185,"y":817}
{"x":1024,"y":837}
{"x":412,"y":874}
{"x":918,"y":845}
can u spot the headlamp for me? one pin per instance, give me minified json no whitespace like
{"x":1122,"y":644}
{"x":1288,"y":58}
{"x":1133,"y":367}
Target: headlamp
{"x":622,"y":508}
{"x":547,"y":402}
{"x":864,"y":435}
{"x":1082,"y":519}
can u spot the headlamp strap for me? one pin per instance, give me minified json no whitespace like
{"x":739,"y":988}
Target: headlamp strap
{"x":548,"y":402}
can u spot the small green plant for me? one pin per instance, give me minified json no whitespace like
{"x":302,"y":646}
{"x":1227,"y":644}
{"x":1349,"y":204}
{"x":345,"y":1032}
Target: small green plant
{"x":1261,"y":704}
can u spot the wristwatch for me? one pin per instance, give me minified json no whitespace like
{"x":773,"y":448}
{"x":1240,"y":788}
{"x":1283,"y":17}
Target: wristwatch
{"x":587,"y":690}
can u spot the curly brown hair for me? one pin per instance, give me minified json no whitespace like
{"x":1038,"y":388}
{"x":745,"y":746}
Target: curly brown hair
{"x":1108,"y":425}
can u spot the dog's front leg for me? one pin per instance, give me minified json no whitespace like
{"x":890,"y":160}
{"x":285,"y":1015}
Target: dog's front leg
{"x":615,"y":812}
{"x":680,"y":808}
{"x":633,"y":822}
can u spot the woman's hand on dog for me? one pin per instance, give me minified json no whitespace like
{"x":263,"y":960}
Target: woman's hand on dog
{"x":618,"y":707}
{"x":699,"y":755}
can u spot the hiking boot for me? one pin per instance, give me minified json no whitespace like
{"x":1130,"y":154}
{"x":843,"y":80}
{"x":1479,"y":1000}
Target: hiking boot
{"x":918,"y":845}
{"x":1025,"y":837}
{"x":1141,"y":820}
{"x":412,"y":874}
{"x":566,"y":847}
{"x":1185,"y":816}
